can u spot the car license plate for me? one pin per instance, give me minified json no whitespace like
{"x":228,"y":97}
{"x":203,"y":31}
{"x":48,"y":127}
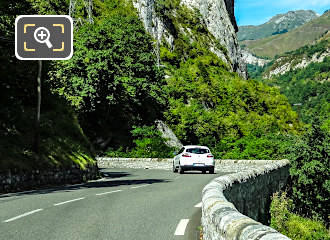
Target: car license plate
{"x":198,"y":164}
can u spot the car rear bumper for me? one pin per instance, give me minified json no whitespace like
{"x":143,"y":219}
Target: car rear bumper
{"x":200,"y":168}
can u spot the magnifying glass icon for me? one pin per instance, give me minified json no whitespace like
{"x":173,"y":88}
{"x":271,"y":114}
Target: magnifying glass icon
{"x":42,"y":35}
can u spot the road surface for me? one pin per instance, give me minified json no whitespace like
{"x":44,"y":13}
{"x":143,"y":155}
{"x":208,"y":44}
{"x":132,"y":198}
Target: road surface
{"x":127,"y":204}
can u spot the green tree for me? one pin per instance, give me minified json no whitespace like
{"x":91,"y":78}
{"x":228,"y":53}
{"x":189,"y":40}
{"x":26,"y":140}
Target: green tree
{"x":310,"y":172}
{"x":112,"y":79}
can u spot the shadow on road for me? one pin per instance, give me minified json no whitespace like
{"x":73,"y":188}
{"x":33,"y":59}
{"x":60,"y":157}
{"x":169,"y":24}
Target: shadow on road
{"x":114,"y":174}
{"x":109,"y":180}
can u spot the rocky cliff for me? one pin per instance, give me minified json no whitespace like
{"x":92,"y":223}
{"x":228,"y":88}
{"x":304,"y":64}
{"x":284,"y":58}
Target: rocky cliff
{"x":251,"y":59}
{"x":218,"y":17}
{"x":300,"y":58}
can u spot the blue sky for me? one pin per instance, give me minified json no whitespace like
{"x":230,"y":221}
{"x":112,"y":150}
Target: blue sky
{"x":255,"y":12}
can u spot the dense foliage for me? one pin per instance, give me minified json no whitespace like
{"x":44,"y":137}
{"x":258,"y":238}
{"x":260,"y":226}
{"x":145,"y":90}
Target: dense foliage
{"x":293,"y":225}
{"x":148,"y":143}
{"x":310,"y":172}
{"x":307,"y":87}
{"x":62,"y":139}
{"x":112,"y":79}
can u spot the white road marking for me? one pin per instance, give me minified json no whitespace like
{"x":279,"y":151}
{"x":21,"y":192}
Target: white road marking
{"x":23,"y":215}
{"x":181,"y":228}
{"x":100,"y":194}
{"x":141,"y":186}
{"x":199,"y":205}
{"x":73,"y":200}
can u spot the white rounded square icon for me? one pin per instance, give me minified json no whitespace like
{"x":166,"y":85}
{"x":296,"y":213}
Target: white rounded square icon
{"x":43,"y":37}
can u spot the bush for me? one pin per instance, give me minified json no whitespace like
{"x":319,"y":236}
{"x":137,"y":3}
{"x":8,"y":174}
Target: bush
{"x":253,"y":147}
{"x":148,"y":142}
{"x":292,"y":225}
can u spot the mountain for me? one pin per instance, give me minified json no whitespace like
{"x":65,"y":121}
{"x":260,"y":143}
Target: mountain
{"x":278,"y":24}
{"x":290,"y":41}
{"x":299,"y":58}
{"x":303,"y":76}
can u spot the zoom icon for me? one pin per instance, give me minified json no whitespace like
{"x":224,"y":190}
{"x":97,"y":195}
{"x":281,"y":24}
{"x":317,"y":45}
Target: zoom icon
{"x":43,"y":37}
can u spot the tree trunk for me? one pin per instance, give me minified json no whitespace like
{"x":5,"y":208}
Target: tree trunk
{"x":37,"y":123}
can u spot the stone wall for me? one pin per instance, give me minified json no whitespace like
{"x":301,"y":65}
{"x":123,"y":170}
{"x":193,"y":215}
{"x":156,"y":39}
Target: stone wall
{"x":227,"y":166}
{"x":17,"y":180}
{"x":233,"y":204}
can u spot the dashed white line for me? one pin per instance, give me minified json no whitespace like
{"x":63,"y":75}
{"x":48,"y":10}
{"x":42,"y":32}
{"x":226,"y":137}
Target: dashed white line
{"x":181,"y":228}
{"x":100,"y":194}
{"x":198,"y":205}
{"x":73,"y":200}
{"x":141,"y":186}
{"x":22,"y":215}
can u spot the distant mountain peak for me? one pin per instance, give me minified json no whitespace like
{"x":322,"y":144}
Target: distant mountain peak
{"x":280,"y":23}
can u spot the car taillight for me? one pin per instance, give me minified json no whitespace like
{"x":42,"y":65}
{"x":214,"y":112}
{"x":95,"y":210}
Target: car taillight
{"x":186,"y":155}
{"x":209,"y":155}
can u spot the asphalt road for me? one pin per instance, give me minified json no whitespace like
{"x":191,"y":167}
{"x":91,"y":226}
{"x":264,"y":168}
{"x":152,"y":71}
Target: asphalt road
{"x":127,"y":204}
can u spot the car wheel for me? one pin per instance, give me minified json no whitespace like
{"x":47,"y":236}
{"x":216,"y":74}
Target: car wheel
{"x":203,"y":171}
{"x":181,"y":171}
{"x":174,"y":168}
{"x":211,"y":171}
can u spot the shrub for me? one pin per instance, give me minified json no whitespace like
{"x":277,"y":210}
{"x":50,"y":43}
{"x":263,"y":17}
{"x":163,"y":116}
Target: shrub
{"x":148,"y":142}
{"x":292,"y":225}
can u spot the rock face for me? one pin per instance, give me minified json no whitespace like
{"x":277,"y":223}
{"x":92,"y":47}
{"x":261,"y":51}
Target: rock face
{"x":283,"y":65}
{"x":250,"y":59}
{"x":168,"y":134}
{"x":218,"y":15}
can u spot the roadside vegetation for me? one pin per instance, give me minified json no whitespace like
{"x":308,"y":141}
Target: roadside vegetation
{"x":292,"y":225}
{"x":302,"y":212}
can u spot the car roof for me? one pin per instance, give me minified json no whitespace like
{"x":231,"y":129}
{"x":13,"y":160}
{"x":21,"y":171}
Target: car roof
{"x":195,"y":146}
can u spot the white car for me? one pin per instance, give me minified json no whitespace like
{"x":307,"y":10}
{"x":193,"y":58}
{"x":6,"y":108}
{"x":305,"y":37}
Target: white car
{"x":194,"y":158}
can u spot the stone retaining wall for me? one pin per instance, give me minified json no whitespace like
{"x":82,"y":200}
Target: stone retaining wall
{"x":227,"y":198}
{"x":161,"y":163}
{"x":16,"y":180}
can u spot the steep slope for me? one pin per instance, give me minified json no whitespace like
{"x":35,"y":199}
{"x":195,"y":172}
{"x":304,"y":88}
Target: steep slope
{"x":62,"y":140}
{"x":278,"y":24}
{"x":208,"y":103}
{"x":160,"y":18}
{"x":300,"y":58}
{"x":279,"y":44}
{"x":304,"y":77}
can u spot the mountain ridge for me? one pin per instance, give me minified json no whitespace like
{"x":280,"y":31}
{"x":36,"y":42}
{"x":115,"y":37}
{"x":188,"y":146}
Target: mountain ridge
{"x":278,"y":24}
{"x":290,"y":41}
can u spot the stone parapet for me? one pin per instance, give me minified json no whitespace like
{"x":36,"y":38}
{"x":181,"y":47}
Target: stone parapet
{"x":234,"y":205}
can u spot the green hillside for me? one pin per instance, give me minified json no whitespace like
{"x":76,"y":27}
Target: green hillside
{"x":63,"y":142}
{"x":278,"y":24}
{"x":301,"y":36}
{"x":307,"y":89}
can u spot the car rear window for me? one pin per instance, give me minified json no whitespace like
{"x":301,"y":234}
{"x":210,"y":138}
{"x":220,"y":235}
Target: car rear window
{"x":197,"y":150}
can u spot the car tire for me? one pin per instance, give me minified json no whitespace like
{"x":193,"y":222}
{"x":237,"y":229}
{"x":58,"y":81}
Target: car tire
{"x":203,"y":171}
{"x":211,"y":171}
{"x":174,"y":169}
{"x":181,"y":171}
